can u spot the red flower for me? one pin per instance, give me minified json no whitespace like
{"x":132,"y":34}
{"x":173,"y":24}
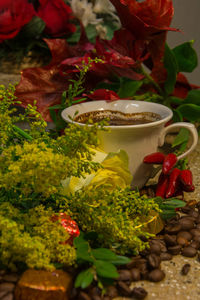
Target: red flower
{"x":148,"y":21}
{"x":68,"y":224}
{"x":57,"y":15}
{"x":13,"y":16}
{"x":103,"y":94}
{"x":146,"y":18}
{"x":183,"y":86}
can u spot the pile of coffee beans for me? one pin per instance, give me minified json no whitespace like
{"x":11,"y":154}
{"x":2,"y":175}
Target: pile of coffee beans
{"x":181,"y":235}
{"x":7,"y":285}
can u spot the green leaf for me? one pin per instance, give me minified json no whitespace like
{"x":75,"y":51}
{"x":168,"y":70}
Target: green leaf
{"x":75,"y":37}
{"x":171,"y":66}
{"x":168,"y":214}
{"x":113,"y":86}
{"x":91,"y":33}
{"x":182,"y":137}
{"x":83,"y":251}
{"x":128,"y":88}
{"x":104,"y":254}
{"x":120,"y":260}
{"x":53,"y":116}
{"x":177,"y":116}
{"x":174,"y":202}
{"x":58,"y":106}
{"x":79,"y":240}
{"x":84,"y":279}
{"x":34,"y":28}
{"x":186,"y":57}
{"x":190,"y":111}
{"x":175,"y":100}
{"x":106,"y":269}
{"x":193,"y":97}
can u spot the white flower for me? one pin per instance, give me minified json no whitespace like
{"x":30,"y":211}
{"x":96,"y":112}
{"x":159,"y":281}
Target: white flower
{"x":84,"y":12}
{"x":105,"y":7}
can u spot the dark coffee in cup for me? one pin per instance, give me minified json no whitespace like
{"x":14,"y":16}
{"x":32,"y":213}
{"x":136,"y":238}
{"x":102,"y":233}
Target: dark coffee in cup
{"x":117,"y":118}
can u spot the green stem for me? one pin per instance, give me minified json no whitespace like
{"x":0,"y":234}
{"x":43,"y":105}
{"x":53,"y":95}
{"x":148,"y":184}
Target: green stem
{"x":158,"y":88}
{"x":22,"y":133}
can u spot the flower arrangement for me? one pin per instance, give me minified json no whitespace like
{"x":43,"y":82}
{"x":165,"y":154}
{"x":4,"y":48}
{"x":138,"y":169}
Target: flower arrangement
{"x":133,"y":60}
{"x":97,"y":50}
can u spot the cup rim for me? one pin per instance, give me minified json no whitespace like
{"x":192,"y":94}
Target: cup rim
{"x":101,"y":102}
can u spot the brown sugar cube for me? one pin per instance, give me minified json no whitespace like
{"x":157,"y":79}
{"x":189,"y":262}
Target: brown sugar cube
{"x":43,"y":285}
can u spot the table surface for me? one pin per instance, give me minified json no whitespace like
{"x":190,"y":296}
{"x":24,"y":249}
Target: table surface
{"x":175,"y":286}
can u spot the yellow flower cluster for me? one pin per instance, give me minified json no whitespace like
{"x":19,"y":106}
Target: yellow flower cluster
{"x":33,"y":167}
{"x":33,"y":239}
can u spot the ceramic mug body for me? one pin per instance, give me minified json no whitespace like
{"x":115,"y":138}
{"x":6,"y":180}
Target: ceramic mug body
{"x":137,"y":140}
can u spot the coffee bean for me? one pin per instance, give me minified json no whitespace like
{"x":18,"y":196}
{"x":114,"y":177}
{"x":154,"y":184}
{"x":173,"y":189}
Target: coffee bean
{"x":186,"y":209}
{"x":84,"y":296}
{"x":195,"y":232}
{"x":156,"y":275}
{"x":95,"y":291}
{"x":112,"y":291}
{"x":194,"y":213}
{"x":165,"y":256}
{"x":144,"y":252}
{"x":170,"y":240}
{"x":198,"y":257}
{"x":106,"y":298}
{"x":73,"y":294}
{"x":133,"y":261}
{"x":124,"y":288}
{"x":7,"y":286}
{"x":197,"y":220}
{"x":174,"y":250}
{"x":135,"y":274}
{"x":162,"y":245}
{"x":9,"y":296}
{"x":185,"y":269}
{"x":96,"y":298}
{"x":154,"y":260}
{"x":186,"y":224}
{"x":196,"y":238}
{"x":11,"y":277}
{"x":155,"y":247}
{"x":198,"y":226}
{"x":185,"y":234}
{"x":189,"y":251}
{"x":182,"y":241}
{"x":195,"y":244}
{"x":139,"y":293}
{"x":141,"y":263}
{"x":124,"y":275}
{"x":172,"y":229}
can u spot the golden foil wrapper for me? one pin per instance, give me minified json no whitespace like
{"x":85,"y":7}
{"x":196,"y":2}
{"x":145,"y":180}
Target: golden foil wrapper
{"x":43,"y":285}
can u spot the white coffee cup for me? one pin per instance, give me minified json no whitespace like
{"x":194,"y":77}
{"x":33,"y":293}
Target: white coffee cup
{"x":137,"y":140}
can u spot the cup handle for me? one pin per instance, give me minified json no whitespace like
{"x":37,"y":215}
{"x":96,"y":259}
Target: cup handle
{"x":186,"y":125}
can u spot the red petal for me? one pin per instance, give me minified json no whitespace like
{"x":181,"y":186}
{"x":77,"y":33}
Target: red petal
{"x":45,"y":85}
{"x":103,"y":94}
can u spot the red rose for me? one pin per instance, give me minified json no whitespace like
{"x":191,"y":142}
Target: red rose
{"x":56,"y":14}
{"x":146,"y":18}
{"x":14,"y":14}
